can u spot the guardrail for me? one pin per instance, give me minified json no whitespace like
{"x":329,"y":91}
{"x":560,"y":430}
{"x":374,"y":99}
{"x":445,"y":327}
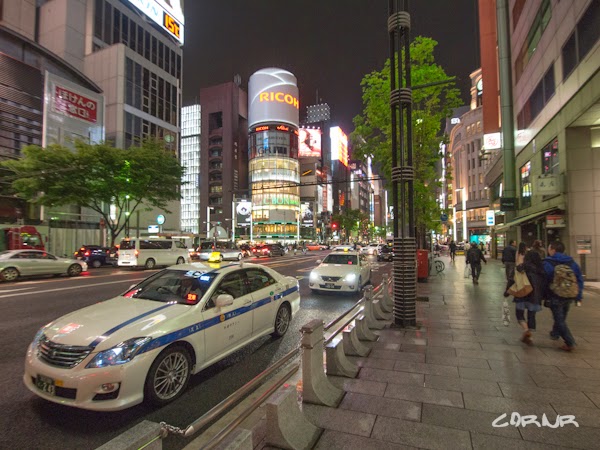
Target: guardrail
{"x":286,"y":426}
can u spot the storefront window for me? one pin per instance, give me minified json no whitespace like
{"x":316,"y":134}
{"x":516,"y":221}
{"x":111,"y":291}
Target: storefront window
{"x":526,"y":185}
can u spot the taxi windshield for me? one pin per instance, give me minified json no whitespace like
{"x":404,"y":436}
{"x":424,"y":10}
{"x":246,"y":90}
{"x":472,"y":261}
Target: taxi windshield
{"x":340,"y":259}
{"x":181,"y":286}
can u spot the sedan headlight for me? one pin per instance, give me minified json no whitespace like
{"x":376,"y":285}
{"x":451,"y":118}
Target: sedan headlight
{"x":122,"y":353}
{"x":38,"y":336}
{"x":350,"y":278}
{"x":314,"y":276}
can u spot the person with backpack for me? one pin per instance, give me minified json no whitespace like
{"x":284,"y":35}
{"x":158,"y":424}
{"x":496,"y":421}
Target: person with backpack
{"x":509,"y":256}
{"x":564,"y":282}
{"x":474,"y":258}
{"x":533,"y":268}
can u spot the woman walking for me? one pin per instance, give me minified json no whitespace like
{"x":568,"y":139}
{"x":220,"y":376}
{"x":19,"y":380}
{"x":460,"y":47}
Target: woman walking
{"x":533,"y":267}
{"x":521,"y":250}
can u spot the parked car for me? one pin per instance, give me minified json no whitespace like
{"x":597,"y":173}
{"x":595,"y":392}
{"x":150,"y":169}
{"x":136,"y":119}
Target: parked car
{"x":149,"y":253}
{"x":144,"y":344}
{"x":346,"y":271}
{"x":226,"y":250}
{"x":94,"y":255}
{"x":268,"y":250}
{"x":26,"y":263}
{"x":385,"y":253}
{"x":312,"y":246}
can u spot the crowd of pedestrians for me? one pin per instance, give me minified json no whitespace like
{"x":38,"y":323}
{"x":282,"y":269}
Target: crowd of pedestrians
{"x":535,"y":278}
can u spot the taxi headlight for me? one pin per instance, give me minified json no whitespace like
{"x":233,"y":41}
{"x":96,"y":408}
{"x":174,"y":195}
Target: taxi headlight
{"x":314,"y":276}
{"x":38,"y":336}
{"x":350,"y":278}
{"x":122,"y":353}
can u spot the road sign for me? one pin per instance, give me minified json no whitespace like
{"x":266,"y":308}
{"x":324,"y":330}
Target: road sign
{"x":152,"y":228}
{"x":160,"y":219}
{"x":444,"y":217}
{"x":490,"y":218}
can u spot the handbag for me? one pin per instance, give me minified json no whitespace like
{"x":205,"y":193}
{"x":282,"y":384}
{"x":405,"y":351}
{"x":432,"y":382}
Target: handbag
{"x":522,"y":286}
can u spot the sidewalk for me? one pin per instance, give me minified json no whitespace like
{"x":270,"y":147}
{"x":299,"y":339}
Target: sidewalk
{"x":444,"y":383}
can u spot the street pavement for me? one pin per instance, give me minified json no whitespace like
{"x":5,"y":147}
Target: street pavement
{"x":443,"y":384}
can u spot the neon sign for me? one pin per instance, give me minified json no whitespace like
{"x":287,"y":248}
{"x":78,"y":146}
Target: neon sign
{"x":168,"y":15}
{"x":279,"y":97}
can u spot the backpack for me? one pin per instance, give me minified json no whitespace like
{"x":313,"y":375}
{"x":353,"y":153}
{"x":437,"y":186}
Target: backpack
{"x":473,"y":256}
{"x":564,"y":284}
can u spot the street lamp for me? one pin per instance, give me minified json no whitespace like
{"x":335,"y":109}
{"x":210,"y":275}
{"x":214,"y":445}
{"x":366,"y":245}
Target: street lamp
{"x":463,"y":197}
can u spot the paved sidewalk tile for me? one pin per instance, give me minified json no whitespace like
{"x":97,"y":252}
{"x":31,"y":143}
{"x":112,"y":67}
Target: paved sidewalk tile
{"x":420,"y":435}
{"x":463,"y":385}
{"x":486,"y":354}
{"x":455,"y":361}
{"x":393,"y":347}
{"x":391,"y":376}
{"x":594,"y":397}
{"x":503,"y":405}
{"x":563,"y":382}
{"x":425,"y":395}
{"x":400,"y":409}
{"x":400,"y":356}
{"x":343,"y":420}
{"x":531,"y":393}
{"x":558,"y":359}
{"x":586,"y":374}
{"x":367,"y":387}
{"x":586,"y":417}
{"x":549,"y":371}
{"x":335,"y":440}
{"x":512,"y":376}
{"x":490,"y":442}
{"x":568,"y":436}
{"x":466,"y":419}
{"x":432,"y":369}
{"x":436,"y":342}
{"x":375,"y":363}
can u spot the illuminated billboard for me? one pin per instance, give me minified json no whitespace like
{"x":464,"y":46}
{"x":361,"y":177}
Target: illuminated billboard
{"x":273,"y":97}
{"x":309,"y":142}
{"x":71,"y":112}
{"x":243,"y":213}
{"x":168,"y":14}
{"x":339,"y":145}
{"x":307,"y":215}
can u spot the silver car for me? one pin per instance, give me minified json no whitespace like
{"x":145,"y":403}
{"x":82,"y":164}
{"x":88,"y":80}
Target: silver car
{"x":227,"y":250}
{"x":26,"y":263}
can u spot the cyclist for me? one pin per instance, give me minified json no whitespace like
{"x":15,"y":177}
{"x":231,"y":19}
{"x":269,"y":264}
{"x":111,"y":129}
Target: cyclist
{"x":452,"y":250}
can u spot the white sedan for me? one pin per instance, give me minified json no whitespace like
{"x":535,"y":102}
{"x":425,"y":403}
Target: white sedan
{"x":146,"y":343}
{"x":341,"y":272}
{"x":25,"y":263}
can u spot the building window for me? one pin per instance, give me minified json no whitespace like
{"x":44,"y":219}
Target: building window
{"x":550,"y":158}
{"x":536,"y":31}
{"x":540,"y":96}
{"x":582,"y":40}
{"x":526,"y":185}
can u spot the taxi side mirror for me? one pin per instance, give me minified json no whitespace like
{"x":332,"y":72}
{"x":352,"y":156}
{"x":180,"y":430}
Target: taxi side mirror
{"x":224,"y":300}
{"x":319,"y":261}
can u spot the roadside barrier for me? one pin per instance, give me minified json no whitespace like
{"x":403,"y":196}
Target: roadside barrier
{"x":286,"y":425}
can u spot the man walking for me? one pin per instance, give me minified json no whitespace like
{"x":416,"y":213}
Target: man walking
{"x":509,"y":256}
{"x":565,"y":284}
{"x":474,"y":257}
{"x":452,"y":250}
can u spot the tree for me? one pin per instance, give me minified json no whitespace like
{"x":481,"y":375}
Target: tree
{"x":372,"y":134}
{"x":349,"y":220}
{"x":98,"y":175}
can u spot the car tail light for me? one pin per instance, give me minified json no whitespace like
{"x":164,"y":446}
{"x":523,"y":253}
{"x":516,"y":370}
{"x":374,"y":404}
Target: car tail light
{"x":86,"y":253}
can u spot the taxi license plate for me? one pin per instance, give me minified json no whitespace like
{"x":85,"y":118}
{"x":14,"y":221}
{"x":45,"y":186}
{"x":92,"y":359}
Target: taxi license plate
{"x":329,"y":286}
{"x":45,"y":384}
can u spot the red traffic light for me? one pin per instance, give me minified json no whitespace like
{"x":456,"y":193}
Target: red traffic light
{"x":334,"y":226}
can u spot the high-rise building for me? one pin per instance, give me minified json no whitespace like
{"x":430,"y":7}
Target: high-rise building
{"x":190,"y":159}
{"x":555,"y":57}
{"x":223,"y":159}
{"x":274,"y":169}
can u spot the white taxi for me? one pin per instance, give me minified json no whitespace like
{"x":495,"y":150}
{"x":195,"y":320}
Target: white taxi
{"x":346,"y":271}
{"x":146,"y":343}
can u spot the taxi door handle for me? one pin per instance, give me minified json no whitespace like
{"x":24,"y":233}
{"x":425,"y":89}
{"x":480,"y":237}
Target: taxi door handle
{"x":247,"y":302}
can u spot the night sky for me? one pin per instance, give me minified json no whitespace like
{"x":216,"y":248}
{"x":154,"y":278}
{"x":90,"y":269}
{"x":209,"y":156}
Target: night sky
{"x":329,"y":45}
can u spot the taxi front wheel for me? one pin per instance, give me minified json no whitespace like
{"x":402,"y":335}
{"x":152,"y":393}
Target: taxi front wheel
{"x":168,"y":376}
{"x":282,"y":321}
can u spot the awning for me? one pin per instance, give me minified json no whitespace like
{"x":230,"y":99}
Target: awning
{"x":528,"y":217}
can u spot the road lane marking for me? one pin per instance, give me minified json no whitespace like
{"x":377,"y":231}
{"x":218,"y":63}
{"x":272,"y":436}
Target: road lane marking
{"x":14,"y":290}
{"x":74,"y":287}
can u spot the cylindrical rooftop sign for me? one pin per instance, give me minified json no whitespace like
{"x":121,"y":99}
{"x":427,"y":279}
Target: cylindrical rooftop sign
{"x":273,"y":97}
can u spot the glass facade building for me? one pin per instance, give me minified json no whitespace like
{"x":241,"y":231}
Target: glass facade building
{"x":190,"y":159}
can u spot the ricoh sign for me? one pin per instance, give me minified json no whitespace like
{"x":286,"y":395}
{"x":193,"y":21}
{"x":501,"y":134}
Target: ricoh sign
{"x":273,"y":97}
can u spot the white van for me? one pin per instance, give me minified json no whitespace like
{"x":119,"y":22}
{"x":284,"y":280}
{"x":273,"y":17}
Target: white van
{"x":149,"y":253}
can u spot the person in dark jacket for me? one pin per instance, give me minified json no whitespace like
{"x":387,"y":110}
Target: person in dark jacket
{"x":532,"y":303}
{"x":538,"y":246}
{"x":509,"y":256}
{"x":559,"y":305}
{"x":452,"y":250}
{"x":474,"y":258}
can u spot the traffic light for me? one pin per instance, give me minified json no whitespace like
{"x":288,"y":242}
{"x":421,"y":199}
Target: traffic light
{"x":334,"y":226}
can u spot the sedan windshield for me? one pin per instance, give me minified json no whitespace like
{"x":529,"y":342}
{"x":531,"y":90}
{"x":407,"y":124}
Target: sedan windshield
{"x":185,"y":287}
{"x":340,"y":259}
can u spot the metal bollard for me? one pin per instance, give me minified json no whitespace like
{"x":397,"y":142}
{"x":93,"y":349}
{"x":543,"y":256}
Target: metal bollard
{"x":316,"y":387}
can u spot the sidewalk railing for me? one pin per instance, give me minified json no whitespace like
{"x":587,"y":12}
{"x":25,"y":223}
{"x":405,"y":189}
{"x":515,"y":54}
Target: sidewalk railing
{"x":286,"y":425}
